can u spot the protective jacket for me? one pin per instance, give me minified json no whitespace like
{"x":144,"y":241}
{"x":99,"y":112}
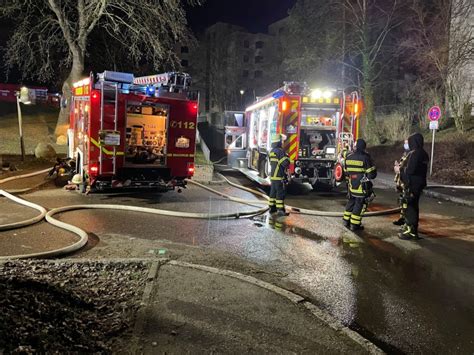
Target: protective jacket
{"x":279,"y":162}
{"x":402,"y":164}
{"x":413,"y":174}
{"x":358,"y":165}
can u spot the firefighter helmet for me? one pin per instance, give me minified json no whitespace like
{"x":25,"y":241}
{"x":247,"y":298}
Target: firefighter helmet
{"x":276,"y":138}
{"x":77,"y":179}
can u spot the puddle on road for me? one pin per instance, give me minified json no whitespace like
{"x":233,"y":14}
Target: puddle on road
{"x":393,"y":297}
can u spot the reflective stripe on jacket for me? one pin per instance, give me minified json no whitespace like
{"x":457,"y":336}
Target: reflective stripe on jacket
{"x":279,"y":161}
{"x":356,"y":166}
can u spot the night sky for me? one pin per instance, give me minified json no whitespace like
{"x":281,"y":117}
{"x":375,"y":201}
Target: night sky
{"x":254,"y":15}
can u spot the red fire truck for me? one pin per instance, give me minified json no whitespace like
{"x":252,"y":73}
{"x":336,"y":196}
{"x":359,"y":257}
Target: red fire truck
{"x":316,"y":124}
{"x":133,"y":132}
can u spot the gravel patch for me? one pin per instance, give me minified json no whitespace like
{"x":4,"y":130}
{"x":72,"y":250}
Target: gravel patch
{"x":62,"y":307}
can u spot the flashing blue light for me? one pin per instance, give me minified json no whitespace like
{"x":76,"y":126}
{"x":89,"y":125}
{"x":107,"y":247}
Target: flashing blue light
{"x":278,"y":94}
{"x":150,"y":90}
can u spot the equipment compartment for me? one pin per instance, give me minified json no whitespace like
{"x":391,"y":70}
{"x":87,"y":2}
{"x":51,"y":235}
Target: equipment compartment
{"x":146,"y":135}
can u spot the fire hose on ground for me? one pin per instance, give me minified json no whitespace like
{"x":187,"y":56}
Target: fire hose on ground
{"x":83,"y":237}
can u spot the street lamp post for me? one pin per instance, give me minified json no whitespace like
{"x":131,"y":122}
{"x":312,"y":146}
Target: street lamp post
{"x":22,"y":96}
{"x":242,"y":92}
{"x":20,"y":126}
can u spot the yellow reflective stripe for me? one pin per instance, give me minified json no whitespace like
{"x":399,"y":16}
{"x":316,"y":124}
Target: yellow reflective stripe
{"x":272,"y":154}
{"x":347,"y":213}
{"x":353,"y":221}
{"x":293,"y":146}
{"x":370,"y":169}
{"x":359,"y":189}
{"x":355,"y":162}
{"x":274,"y":160}
{"x":356,"y":170}
{"x":356,"y":217}
{"x":105,"y":150}
{"x":277,"y":169}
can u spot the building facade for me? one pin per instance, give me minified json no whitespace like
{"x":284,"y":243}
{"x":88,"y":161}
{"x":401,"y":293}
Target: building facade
{"x":232,"y":66}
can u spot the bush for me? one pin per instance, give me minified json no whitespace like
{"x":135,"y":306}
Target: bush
{"x":393,"y":127}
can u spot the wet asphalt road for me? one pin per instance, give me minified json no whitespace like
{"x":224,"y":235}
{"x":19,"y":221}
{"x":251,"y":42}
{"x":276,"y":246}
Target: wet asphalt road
{"x":405,"y":296}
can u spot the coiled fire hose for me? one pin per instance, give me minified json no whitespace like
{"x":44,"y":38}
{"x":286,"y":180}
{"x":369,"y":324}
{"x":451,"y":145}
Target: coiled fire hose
{"x":83,"y":237}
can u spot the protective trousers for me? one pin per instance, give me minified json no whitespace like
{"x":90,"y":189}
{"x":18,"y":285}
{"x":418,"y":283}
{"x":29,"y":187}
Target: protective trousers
{"x":277,"y":196}
{"x":402,"y":202}
{"x":412,"y":212}
{"x":355,"y":209}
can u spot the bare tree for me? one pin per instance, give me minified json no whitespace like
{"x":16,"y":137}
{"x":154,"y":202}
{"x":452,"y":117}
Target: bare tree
{"x":440,"y":44}
{"x":311,"y":46}
{"x":368,"y":26}
{"x":54,"y":35}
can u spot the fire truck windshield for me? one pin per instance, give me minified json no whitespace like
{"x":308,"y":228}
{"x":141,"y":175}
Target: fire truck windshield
{"x":319,"y":117}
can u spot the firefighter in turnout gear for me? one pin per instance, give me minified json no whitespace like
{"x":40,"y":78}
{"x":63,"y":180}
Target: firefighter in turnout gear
{"x":400,"y":186}
{"x":359,"y":169}
{"x":279,"y":163}
{"x":413,"y":175}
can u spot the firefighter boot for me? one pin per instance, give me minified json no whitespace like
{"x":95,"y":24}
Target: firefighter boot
{"x":272,"y":210}
{"x":356,"y":227}
{"x":399,"y":222}
{"x":408,"y":233}
{"x":346,"y":223}
{"x":282,"y":213}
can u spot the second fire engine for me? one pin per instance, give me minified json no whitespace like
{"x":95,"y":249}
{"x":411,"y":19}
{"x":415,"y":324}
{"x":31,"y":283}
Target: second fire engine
{"x":318,"y":124}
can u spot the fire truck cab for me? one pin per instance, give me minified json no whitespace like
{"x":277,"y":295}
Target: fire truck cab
{"x":316,"y":124}
{"x":133,"y":132}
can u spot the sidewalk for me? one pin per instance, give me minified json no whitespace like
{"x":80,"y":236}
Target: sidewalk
{"x":191,"y":308}
{"x":159,"y":306}
{"x":460,"y":196}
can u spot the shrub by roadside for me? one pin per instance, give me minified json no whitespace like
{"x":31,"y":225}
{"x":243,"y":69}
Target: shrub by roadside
{"x":453,"y":162}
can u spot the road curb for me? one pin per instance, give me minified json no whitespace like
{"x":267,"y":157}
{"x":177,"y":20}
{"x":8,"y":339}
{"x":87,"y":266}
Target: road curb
{"x":433,"y":194}
{"x":320,"y":314}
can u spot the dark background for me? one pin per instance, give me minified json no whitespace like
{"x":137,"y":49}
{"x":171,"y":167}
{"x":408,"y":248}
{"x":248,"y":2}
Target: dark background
{"x":254,"y":15}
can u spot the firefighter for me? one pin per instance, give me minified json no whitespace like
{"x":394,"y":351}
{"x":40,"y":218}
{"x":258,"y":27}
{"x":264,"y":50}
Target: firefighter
{"x":413,"y":175}
{"x":359,"y":169}
{"x":400,"y":186}
{"x":279,"y":163}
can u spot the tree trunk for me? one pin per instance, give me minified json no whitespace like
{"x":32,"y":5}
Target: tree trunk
{"x":63,"y":119}
{"x":368,"y":94}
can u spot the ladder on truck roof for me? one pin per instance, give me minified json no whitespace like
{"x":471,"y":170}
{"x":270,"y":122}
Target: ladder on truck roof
{"x":172,"y":81}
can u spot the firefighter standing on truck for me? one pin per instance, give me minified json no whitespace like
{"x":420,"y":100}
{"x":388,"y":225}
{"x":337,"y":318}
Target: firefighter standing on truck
{"x":279,"y":163}
{"x":359,"y":169}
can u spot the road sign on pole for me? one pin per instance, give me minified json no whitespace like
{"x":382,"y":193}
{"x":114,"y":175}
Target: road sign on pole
{"x":434,"y":114}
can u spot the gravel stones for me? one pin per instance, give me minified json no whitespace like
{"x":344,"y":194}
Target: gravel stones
{"x":67,"y":307}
